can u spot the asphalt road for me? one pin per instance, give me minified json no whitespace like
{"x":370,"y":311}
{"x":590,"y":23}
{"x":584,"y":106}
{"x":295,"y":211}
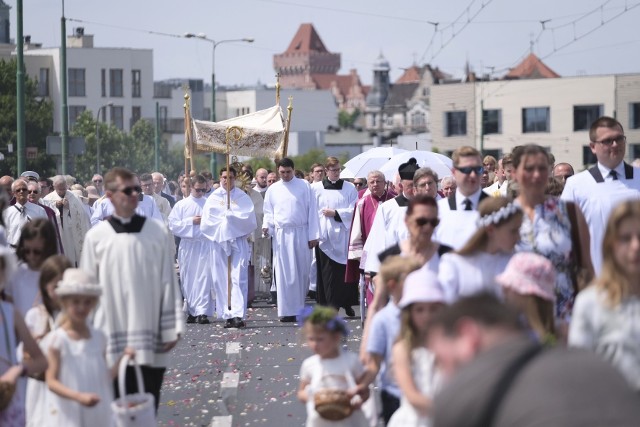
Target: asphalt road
{"x":239,"y":377}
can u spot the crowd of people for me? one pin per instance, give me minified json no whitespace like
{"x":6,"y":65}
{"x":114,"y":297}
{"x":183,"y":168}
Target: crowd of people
{"x":476,"y":287}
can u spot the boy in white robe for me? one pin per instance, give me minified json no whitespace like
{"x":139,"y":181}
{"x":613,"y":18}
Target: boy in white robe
{"x":291,"y":218}
{"x":196,"y":275}
{"x":228,"y":222}
{"x":141,"y":306}
{"x":336,"y":199}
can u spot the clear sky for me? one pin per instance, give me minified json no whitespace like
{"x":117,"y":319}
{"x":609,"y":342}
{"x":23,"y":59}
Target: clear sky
{"x":489,"y":34}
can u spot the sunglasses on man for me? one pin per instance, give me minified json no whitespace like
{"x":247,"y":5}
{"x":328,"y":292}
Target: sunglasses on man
{"x":467,"y":170}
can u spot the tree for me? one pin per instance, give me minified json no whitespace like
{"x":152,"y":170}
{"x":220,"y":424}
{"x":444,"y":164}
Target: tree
{"x":346,"y":120}
{"x":38,"y":123}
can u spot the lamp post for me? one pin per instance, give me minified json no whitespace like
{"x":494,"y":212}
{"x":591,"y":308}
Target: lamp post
{"x":214,"y":44}
{"x":109,"y":104}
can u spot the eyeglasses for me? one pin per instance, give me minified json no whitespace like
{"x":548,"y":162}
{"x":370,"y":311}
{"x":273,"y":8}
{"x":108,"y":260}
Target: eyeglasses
{"x":200,"y":190}
{"x":97,"y":180}
{"x":130,"y":190}
{"x":422,"y":221}
{"x":358,"y":184}
{"x":34,"y":192}
{"x":29,"y":251}
{"x":20,"y":190}
{"x":620,"y":139}
{"x":468,"y":169}
{"x":149,"y":184}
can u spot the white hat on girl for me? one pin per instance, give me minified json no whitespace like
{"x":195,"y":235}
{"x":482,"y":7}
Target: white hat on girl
{"x":78,"y":282}
{"x":528,"y":273}
{"x":421,"y":286}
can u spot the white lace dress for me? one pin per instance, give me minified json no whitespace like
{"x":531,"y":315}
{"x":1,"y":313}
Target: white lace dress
{"x":426,"y":380}
{"x":83,"y":367}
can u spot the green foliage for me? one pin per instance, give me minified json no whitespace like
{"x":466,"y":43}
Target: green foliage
{"x":38,"y":123}
{"x":346,"y":120}
{"x":134,"y":150}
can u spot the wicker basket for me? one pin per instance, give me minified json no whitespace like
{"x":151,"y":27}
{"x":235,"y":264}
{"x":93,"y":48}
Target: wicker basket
{"x":332,"y":404}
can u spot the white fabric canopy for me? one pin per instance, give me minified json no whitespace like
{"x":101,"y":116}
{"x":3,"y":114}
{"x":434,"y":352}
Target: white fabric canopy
{"x":261,"y":134}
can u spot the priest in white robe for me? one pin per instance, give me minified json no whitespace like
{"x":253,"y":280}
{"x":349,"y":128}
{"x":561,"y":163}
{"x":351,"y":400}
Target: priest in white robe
{"x":261,"y":246}
{"x":228,"y":218}
{"x":389,"y":226}
{"x":335,"y":199}
{"x":71,"y":217}
{"x":598,"y":190}
{"x":196,"y":274}
{"x":291,"y":218}
{"x":141,"y":306}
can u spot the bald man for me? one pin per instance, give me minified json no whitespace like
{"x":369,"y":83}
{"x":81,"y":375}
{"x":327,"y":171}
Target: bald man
{"x":261,"y":247}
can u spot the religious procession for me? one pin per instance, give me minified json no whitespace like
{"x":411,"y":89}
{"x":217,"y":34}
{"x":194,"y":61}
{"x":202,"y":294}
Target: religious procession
{"x":488,"y":292}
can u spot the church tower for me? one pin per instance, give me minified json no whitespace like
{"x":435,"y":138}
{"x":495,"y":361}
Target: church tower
{"x":376,"y":99}
{"x":305,"y":58}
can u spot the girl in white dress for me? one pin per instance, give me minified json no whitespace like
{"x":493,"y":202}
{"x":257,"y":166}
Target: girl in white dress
{"x":414,"y":365}
{"x":606,"y":315}
{"x":78,"y":375}
{"x":473,"y":268}
{"x":329,"y":368}
{"x":41,"y":320}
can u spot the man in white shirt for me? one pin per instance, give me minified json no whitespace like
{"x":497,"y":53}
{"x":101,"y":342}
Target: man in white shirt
{"x":599,"y":189}
{"x":456,"y":227}
{"x":261,"y":246}
{"x":148,"y":187}
{"x":23,"y":211}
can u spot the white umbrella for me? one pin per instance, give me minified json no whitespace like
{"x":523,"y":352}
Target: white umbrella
{"x":440,"y":164}
{"x":370,"y":160}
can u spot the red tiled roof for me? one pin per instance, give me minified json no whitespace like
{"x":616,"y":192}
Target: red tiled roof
{"x":531,"y":68}
{"x":343,"y":82}
{"x":410,"y":75}
{"x":306,"y":40}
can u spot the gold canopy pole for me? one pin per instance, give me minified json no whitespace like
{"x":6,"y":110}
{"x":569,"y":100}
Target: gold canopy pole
{"x":278,"y":89}
{"x":187,"y":135}
{"x":232,"y":133}
{"x":286,"y":133}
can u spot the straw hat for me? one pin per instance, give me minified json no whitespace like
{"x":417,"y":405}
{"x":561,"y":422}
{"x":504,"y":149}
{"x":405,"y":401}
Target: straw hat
{"x":92,"y":192}
{"x":529,"y":274}
{"x":421,"y":286}
{"x":78,"y":282}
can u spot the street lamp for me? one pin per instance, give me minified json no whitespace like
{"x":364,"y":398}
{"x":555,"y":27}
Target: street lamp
{"x":109,"y":104}
{"x":212,"y":113}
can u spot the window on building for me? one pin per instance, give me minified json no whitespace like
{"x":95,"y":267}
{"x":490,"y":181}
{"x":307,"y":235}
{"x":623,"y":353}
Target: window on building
{"x":117,"y":117}
{"x":74,"y":113}
{"x":164,"y":118}
{"x":136,"y":114}
{"x":455,"y":123}
{"x":585,"y":115}
{"x":491,"y":122}
{"x":43,"y":82}
{"x":76,"y":85}
{"x":115,"y":82}
{"x":536,"y":119}
{"x":418,"y":119}
{"x":136,"y":86}
{"x":634,"y":115}
{"x":103,"y":82}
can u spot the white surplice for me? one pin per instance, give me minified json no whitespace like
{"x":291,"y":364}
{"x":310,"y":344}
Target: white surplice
{"x":147,"y":208}
{"x":388,"y":228}
{"x":291,"y":215}
{"x":229,"y":228}
{"x":334,"y":235}
{"x":140,"y":305}
{"x":196,"y":276}
{"x":597,"y":200}
{"x":73,"y":224}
